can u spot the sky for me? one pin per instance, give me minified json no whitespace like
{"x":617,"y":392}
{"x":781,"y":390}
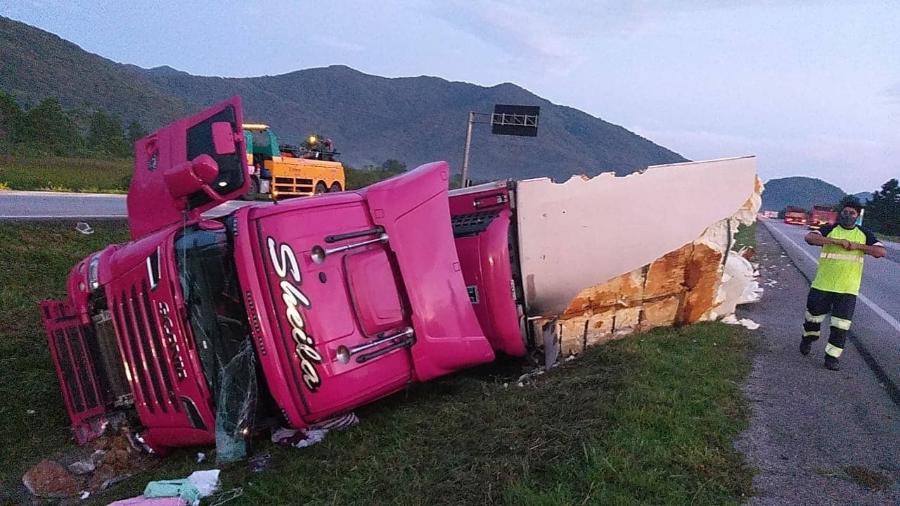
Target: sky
{"x":810,"y":87}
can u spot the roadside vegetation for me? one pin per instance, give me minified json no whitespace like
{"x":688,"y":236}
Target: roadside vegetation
{"x":745,"y":237}
{"x":55,"y":173}
{"x":35,"y":259}
{"x":646,"y":419}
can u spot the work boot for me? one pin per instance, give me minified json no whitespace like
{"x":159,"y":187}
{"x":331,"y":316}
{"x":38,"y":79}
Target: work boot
{"x":805,"y":345}
{"x":832,"y":363}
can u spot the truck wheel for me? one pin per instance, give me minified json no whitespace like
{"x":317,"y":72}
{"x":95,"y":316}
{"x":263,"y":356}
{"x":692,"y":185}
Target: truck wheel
{"x":320,"y":188}
{"x":335,"y":187}
{"x":252,"y":191}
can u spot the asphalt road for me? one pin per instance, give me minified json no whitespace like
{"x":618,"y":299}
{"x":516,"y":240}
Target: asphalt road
{"x":18,"y":205}
{"x":875,"y":323}
{"x":818,"y":436}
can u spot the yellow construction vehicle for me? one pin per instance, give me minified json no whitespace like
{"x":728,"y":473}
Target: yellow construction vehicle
{"x":287,"y":171}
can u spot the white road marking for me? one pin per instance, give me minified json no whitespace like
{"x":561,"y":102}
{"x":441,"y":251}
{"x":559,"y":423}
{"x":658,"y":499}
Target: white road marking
{"x":58,"y":216}
{"x":865,"y":300}
{"x":41,"y":193}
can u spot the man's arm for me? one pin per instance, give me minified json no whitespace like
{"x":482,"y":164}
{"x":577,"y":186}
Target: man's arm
{"x":817,"y":239}
{"x":872,"y":246}
{"x":875,"y":250}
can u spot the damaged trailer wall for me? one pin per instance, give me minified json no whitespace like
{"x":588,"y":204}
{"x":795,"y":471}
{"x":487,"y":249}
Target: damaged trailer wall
{"x":636,"y":252}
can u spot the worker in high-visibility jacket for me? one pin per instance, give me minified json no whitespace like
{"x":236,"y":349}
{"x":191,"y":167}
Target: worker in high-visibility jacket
{"x":837,"y":281}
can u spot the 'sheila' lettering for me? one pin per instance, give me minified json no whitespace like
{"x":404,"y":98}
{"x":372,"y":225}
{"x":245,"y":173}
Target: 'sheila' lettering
{"x":285,"y":264}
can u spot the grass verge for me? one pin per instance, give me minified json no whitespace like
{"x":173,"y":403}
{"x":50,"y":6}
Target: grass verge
{"x":65,"y":174}
{"x":646,"y":419}
{"x":745,"y":236}
{"x":35,"y":259}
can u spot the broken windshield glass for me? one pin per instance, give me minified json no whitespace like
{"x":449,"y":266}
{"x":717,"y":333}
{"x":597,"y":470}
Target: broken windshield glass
{"x":218,"y":323}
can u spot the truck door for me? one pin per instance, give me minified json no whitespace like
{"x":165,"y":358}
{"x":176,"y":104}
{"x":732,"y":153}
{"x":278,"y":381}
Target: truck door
{"x":164,"y":190}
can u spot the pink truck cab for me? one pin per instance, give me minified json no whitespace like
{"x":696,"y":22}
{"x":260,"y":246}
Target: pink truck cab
{"x":318,"y":304}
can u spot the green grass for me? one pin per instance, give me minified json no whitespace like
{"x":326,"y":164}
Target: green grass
{"x":646,"y":419}
{"x":36,"y":258}
{"x":65,"y":174}
{"x":745,"y":236}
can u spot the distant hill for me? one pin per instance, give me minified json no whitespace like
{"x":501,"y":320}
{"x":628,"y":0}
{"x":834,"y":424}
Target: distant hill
{"x":35,"y":64}
{"x":370,"y":118}
{"x":863,"y":196}
{"x":803,"y":192}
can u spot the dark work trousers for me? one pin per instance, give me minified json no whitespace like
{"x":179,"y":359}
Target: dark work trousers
{"x":818,"y":305}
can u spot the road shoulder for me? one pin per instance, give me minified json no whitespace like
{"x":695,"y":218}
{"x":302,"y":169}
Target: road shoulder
{"x":815,"y":436}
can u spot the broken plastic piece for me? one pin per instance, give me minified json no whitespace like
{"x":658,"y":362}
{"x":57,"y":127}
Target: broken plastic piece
{"x":84,"y":228}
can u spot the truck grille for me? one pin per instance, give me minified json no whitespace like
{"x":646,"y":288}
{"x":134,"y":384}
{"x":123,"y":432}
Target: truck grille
{"x":73,"y":363}
{"x":473,"y":223}
{"x":139,"y":329}
{"x":292,"y":185}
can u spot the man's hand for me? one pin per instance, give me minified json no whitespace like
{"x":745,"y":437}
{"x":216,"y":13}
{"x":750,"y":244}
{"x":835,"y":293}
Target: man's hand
{"x":844,"y":243}
{"x":875,"y":251}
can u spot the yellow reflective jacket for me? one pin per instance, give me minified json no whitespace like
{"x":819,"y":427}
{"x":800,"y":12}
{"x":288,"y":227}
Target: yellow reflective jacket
{"x":841,"y":270}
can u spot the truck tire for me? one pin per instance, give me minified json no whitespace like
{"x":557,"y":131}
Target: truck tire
{"x":253,"y":191}
{"x":320,"y":188}
{"x":335,"y":187}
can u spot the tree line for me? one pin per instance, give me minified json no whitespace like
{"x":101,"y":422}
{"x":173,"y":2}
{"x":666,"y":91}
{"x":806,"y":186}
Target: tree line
{"x":883,"y":211}
{"x":48,"y":129}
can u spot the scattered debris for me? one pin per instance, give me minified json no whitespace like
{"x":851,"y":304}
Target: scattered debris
{"x":745,"y":322}
{"x":198,"y":485}
{"x":84,"y":228}
{"x":51,"y":479}
{"x":315,"y":433}
{"x":82,"y":466}
{"x":112,"y":460}
{"x":143,"y":501}
{"x":527,"y":377}
{"x":201,"y":457}
{"x":259,"y":463}
{"x":226,"y":496}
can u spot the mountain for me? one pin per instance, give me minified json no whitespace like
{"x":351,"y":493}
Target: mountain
{"x":370,"y":118}
{"x":863,"y":197}
{"x":802,"y":192}
{"x":36,"y":64}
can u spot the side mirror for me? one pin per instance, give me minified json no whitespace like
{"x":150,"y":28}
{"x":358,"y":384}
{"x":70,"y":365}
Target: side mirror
{"x":189,"y":177}
{"x":223,"y":138}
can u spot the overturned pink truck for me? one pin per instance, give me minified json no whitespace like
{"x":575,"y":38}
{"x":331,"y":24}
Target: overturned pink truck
{"x":200,"y":327}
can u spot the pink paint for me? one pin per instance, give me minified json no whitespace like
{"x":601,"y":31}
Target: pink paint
{"x":485,"y":259}
{"x":348,"y":296}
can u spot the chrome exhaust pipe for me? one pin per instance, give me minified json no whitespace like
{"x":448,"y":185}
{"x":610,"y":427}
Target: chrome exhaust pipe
{"x":318,"y":253}
{"x":344,"y":353}
{"x":409,"y":341}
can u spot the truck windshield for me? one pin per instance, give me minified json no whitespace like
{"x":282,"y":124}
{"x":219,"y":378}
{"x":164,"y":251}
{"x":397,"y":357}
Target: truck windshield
{"x":219,"y":325}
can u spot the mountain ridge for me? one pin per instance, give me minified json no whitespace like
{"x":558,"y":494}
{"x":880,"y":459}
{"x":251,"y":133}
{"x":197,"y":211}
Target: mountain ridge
{"x":371,"y":118}
{"x":799,"y":191}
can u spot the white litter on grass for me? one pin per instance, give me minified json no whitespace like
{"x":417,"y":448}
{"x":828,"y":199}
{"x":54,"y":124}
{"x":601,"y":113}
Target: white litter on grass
{"x":82,"y":467}
{"x":523,"y":379}
{"x":84,"y":494}
{"x":201,"y":457}
{"x":207,"y":482}
{"x":315,"y":433}
{"x":745,"y":322}
{"x":299,"y":438}
{"x":84,"y":228}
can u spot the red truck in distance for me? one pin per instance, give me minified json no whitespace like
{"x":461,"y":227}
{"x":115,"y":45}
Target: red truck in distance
{"x":795,"y":215}
{"x":330,"y":301}
{"x":822,"y":215}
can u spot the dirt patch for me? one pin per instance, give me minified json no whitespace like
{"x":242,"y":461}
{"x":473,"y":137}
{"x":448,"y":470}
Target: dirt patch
{"x":867,"y":478}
